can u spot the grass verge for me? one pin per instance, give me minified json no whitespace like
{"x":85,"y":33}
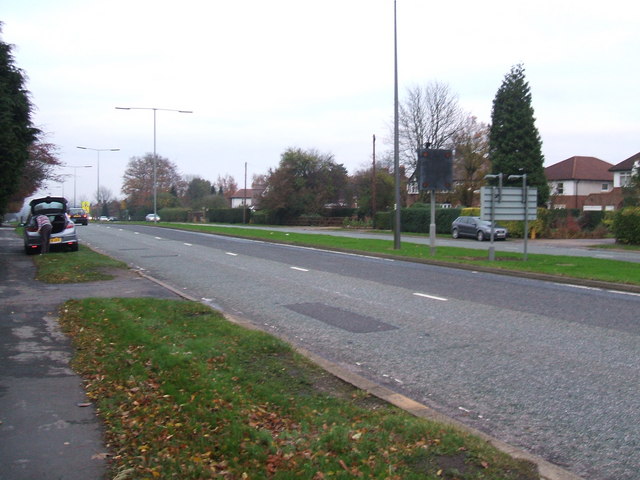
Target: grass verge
{"x":186,"y":394}
{"x":586,"y":268}
{"x":72,"y":267}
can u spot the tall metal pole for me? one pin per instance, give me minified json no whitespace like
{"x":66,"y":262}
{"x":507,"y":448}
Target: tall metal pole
{"x":155,"y":109}
{"x":155,"y":177}
{"x":75,"y":174}
{"x":98,"y":150}
{"x":373,"y":183}
{"x":244,"y":200}
{"x":396,"y":138}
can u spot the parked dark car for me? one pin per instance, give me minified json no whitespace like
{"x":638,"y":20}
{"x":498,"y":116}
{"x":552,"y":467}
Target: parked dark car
{"x":78,"y":215}
{"x":63,"y":231}
{"x":477,"y":228}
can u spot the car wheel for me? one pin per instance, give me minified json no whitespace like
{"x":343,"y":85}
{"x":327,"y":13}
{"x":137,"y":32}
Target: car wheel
{"x":454,"y":233}
{"x":480,"y":235}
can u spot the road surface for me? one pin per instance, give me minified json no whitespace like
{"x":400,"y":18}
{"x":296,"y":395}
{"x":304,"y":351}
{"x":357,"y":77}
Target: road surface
{"x":553,"y":369}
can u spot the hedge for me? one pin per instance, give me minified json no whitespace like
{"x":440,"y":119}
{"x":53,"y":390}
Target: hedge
{"x":417,"y":220}
{"x":626,"y":226}
{"x":229,"y":215}
{"x":174,"y":214}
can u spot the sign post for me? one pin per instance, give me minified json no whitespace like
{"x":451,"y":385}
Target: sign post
{"x":511,"y":203}
{"x":435,"y":172}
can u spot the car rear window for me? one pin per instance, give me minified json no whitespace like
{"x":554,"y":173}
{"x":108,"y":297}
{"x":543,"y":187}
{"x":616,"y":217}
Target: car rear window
{"x":48,"y":206}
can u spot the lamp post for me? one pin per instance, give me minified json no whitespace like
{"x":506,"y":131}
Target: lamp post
{"x":75,"y":173}
{"x":98,"y":150}
{"x":396,"y":134}
{"x":155,"y":195}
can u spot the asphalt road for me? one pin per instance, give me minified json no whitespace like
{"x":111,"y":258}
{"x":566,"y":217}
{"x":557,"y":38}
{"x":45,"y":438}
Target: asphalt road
{"x":553,"y":369}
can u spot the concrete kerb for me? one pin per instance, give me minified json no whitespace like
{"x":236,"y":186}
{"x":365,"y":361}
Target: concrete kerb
{"x":547,"y":470}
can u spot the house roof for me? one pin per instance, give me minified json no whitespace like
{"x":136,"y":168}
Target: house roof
{"x":580,"y":168}
{"x":626,"y":165}
{"x":242,"y":193}
{"x":614,"y":197}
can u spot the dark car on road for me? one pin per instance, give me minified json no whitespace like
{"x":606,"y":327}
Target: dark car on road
{"x":63,"y":231}
{"x":78,"y":215}
{"x":477,"y":228}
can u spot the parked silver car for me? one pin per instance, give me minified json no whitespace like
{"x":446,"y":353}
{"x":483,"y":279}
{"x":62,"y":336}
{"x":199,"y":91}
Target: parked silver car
{"x":477,"y":228}
{"x":63,"y":231}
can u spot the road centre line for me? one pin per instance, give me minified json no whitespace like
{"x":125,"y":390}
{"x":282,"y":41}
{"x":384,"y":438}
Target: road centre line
{"x":188,"y":244}
{"x":299,"y":269}
{"x":231,"y":253}
{"x":432,"y":297}
{"x":158,"y":238}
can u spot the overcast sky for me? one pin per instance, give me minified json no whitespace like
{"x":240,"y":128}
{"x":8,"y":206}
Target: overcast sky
{"x":262,"y":76}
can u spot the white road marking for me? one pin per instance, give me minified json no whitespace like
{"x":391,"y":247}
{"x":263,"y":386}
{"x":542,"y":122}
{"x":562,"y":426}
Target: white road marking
{"x":158,"y":238}
{"x":624,"y":293}
{"x":432,"y":297}
{"x":188,"y":244}
{"x":299,"y":269}
{"x":232,"y":254}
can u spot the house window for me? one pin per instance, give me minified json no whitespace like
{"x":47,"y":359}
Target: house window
{"x":605,"y":187}
{"x":625,"y":179}
{"x":560,"y":188}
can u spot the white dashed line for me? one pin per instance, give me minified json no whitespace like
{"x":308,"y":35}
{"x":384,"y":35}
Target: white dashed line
{"x":432,"y":297}
{"x":232,"y":254}
{"x":299,"y":269}
{"x":188,"y":245}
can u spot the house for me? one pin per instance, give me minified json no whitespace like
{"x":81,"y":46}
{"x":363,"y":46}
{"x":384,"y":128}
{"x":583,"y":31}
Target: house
{"x":623,"y":171}
{"x":572,"y":180}
{"x":249,"y":197}
{"x":242,"y":197}
{"x":614,"y":199}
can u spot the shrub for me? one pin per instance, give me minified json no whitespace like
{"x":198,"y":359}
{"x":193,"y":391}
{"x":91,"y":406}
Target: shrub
{"x":417,"y":220}
{"x":590,"y":220}
{"x":229,"y":215}
{"x":626,"y":226}
{"x":174,"y":214}
{"x":470,"y":212}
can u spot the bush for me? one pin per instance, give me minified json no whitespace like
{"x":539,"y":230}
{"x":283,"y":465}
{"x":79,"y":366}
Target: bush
{"x":229,"y":215}
{"x":174,"y":214}
{"x":417,"y":220}
{"x":590,"y":220}
{"x":626,"y":226}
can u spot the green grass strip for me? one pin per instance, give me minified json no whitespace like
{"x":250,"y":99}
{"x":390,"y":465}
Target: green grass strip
{"x":186,"y":394}
{"x":586,"y":268}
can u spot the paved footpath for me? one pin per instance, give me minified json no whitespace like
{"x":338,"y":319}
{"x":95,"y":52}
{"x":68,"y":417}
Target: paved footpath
{"x":48,"y":429}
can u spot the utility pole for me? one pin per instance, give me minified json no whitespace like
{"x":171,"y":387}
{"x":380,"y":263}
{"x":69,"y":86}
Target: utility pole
{"x":373,"y":183}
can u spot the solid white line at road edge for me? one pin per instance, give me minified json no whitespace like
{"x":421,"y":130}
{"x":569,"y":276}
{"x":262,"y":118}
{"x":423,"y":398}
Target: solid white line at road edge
{"x":432,"y":297}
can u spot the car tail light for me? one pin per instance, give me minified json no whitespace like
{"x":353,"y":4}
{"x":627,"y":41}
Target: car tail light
{"x":69,"y":225}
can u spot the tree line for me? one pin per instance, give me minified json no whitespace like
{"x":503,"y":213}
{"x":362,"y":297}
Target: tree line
{"x":305,"y":181}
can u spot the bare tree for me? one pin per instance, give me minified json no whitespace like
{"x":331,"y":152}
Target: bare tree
{"x":471,"y":162}
{"x":227,"y":185}
{"x":429,"y":115}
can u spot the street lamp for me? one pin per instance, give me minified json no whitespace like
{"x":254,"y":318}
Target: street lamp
{"x":155,"y":195}
{"x":98,"y":150}
{"x":75,"y":172}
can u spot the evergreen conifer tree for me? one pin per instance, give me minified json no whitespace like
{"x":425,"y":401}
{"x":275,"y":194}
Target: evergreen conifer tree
{"x":514,"y":142}
{"x":16,"y":130}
